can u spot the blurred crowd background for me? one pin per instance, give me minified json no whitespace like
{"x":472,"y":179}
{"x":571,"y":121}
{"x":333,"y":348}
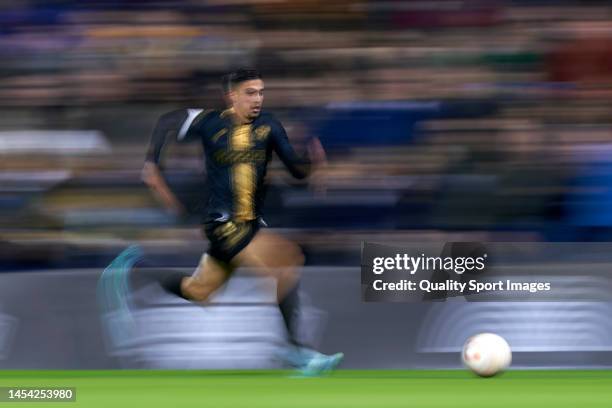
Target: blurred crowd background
{"x":442,"y":120}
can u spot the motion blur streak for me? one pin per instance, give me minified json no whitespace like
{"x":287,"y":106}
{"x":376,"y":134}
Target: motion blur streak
{"x":442,"y":120}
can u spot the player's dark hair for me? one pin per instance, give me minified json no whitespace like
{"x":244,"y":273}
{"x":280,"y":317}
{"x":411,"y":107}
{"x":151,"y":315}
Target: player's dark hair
{"x":228,"y":81}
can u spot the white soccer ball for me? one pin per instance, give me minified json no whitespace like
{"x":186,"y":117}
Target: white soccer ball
{"x":486,"y":354}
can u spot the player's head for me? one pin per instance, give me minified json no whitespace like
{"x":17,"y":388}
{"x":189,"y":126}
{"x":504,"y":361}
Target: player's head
{"x":243,"y":89}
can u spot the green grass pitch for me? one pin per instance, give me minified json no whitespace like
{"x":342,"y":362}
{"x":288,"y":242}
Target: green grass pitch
{"x":343,"y":388}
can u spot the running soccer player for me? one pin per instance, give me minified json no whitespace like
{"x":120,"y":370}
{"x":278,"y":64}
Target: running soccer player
{"x":238,"y":145}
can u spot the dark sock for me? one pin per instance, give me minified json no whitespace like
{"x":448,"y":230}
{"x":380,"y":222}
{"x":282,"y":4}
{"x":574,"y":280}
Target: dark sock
{"x":289,"y":308}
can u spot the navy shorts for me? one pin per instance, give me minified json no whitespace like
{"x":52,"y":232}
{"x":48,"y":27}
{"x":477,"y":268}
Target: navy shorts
{"x":228,"y":238}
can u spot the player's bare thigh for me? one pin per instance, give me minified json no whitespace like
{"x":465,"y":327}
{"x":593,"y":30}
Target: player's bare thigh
{"x":270,"y":254}
{"x":269,"y":251}
{"x":267,"y":254}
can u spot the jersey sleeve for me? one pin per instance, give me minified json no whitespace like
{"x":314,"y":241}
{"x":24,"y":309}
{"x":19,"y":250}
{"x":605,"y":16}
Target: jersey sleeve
{"x":178,"y":126}
{"x":298,"y":166}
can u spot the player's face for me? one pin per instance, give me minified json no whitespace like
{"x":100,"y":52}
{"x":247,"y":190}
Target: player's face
{"x":247,"y":98}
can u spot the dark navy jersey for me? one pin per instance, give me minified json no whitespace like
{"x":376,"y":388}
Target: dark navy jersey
{"x":236,"y":155}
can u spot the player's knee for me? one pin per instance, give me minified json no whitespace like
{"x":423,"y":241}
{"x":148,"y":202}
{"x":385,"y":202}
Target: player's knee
{"x":294,"y":257}
{"x":299,"y":258}
{"x":198,"y":295}
{"x":195,"y":291}
{"x":290,"y":276}
{"x":295,"y":262}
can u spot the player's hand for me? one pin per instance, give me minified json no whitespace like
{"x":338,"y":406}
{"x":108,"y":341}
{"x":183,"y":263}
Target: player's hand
{"x":152,"y":177}
{"x":318,"y":159}
{"x":318,"y":183}
{"x":316,"y":153}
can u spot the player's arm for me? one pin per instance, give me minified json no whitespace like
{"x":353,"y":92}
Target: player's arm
{"x":299,"y":166}
{"x":318,"y":159}
{"x":312,"y":166}
{"x":177,"y":125}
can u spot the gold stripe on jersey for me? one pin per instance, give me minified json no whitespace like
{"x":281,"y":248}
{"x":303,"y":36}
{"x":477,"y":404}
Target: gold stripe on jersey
{"x":225,"y":157}
{"x":201,"y":116}
{"x":243,"y":176}
{"x":218,"y":135}
{"x":235,"y":238}
{"x":226,"y":113}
